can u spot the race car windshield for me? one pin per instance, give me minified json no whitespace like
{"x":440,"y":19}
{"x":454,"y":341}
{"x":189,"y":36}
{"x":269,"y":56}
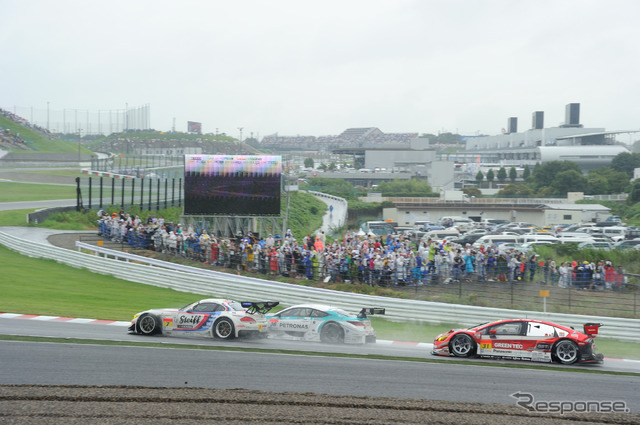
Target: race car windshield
{"x":188,"y":306}
{"x":477,"y":326}
{"x":234,"y":305}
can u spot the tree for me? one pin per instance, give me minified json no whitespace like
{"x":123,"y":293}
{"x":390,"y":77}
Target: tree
{"x":634,"y":194}
{"x":332,"y":166}
{"x":544,"y":175}
{"x":513,"y":174}
{"x":472,"y":191}
{"x":308,"y":163}
{"x":411,"y":187}
{"x":606,"y":180}
{"x":490,"y":177}
{"x":526,"y":172}
{"x":626,"y":162}
{"x":323,"y":166}
{"x":479,"y":177}
{"x":502,"y":175}
{"x":515,"y":190}
{"x":569,"y":181}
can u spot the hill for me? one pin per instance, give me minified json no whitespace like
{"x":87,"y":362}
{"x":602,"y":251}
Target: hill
{"x":16,"y":137}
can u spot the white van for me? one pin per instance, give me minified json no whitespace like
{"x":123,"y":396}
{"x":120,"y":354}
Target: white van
{"x":463,"y":224}
{"x":497,"y":239}
{"x":615,"y":233}
{"x":539,"y":238}
{"x":440,"y":235}
{"x":568,"y":237}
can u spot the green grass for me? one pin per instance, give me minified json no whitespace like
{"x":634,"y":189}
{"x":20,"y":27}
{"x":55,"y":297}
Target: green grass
{"x":44,"y":287}
{"x":24,"y":192}
{"x":15,"y":217}
{"x":37,"y":141}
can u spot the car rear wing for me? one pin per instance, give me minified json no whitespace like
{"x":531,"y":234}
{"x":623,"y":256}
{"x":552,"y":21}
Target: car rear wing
{"x":262,"y":307}
{"x":591,"y":329}
{"x":370,"y":311}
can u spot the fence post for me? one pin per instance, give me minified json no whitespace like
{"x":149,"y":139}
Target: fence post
{"x":141,"y":194}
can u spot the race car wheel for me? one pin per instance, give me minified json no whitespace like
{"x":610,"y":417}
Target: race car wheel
{"x":148,"y":324}
{"x":332,"y":333}
{"x":566,"y":352}
{"x":462,"y":345}
{"x":224,"y":329}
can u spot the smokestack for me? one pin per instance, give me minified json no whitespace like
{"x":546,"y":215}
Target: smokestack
{"x":538,"y":120}
{"x":572,"y":115}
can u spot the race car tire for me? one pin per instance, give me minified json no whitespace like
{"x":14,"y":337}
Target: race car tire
{"x":223,"y":329}
{"x":332,"y":333}
{"x":462,"y":345}
{"x":148,"y":324}
{"x":566,"y":352}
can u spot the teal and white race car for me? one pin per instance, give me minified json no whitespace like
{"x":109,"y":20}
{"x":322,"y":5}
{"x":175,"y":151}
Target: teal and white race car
{"x":316,"y":322}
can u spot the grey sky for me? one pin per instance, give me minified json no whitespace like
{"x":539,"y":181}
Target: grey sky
{"x":318,"y":67}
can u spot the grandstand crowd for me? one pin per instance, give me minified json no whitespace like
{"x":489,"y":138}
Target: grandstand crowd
{"x":393,"y":260}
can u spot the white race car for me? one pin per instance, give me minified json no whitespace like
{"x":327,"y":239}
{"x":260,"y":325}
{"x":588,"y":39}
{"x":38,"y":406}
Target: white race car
{"x":216,"y":318}
{"x":315,"y":322}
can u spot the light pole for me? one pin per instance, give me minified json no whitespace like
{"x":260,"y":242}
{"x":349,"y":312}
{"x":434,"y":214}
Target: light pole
{"x":240,"y":128}
{"x":79,"y":137}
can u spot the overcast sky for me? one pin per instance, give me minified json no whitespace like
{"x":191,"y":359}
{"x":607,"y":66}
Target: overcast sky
{"x":319,"y":67}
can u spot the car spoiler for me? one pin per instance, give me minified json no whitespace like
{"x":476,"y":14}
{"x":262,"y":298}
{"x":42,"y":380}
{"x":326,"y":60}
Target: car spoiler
{"x":370,"y":310}
{"x":259,"y":307}
{"x":591,"y":329}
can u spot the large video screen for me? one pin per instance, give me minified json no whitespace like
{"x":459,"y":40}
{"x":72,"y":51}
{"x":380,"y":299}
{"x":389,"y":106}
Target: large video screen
{"x":232,"y":184}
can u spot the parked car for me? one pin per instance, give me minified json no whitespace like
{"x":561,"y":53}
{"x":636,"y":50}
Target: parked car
{"x":211,"y":317}
{"x":317,"y":322}
{"x":605,"y":246}
{"x":526,"y":339}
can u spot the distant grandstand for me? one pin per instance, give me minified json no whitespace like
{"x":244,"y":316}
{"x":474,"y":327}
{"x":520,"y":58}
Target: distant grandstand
{"x":351,"y":137}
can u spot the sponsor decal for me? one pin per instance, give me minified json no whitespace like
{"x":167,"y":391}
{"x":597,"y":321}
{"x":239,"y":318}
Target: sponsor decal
{"x":507,"y":345}
{"x":543,"y":346}
{"x":293,"y":325}
{"x":485,"y":346}
{"x":191,"y":321}
{"x":167,"y":322}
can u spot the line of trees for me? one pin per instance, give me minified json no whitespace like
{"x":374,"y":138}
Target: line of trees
{"x":556,"y":178}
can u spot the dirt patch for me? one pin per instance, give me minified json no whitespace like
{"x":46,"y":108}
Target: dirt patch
{"x":21,"y":404}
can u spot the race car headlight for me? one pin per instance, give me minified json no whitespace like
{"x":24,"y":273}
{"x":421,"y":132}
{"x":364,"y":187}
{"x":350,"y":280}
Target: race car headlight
{"x":441,"y":338}
{"x":135,"y":316}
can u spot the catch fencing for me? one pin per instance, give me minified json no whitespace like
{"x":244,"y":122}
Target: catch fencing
{"x":148,"y":271}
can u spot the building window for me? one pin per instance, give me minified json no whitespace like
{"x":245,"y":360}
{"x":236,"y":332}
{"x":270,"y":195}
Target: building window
{"x":567,"y":217}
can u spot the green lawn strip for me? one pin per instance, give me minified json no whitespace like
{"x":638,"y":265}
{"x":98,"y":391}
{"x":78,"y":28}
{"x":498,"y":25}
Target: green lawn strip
{"x":15,"y":217}
{"x":577,"y":369}
{"x":25,"y":192}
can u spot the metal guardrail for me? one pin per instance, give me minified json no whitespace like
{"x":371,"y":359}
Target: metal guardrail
{"x":149,"y":271}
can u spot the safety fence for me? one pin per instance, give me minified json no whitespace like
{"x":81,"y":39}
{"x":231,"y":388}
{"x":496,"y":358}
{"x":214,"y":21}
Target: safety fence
{"x":202,"y":281}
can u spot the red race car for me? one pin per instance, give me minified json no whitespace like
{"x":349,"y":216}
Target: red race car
{"x":525,"y":339}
